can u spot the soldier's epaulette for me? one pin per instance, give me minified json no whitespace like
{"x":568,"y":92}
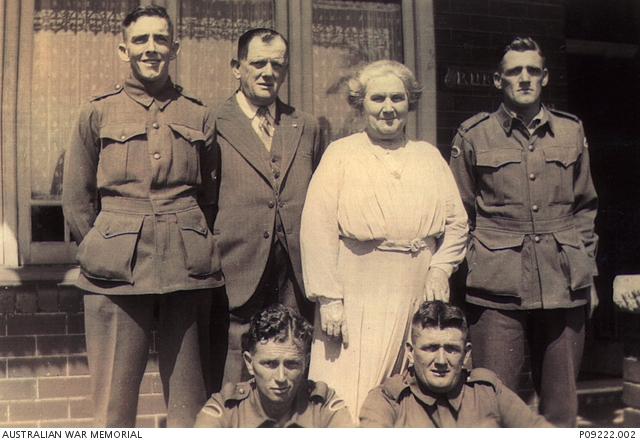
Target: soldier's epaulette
{"x":235,"y":392}
{"x":317,"y":390}
{"x":188,"y":95}
{"x":482,"y":375}
{"x":473,"y":121}
{"x":564,"y":114}
{"x":116,"y":89}
{"x":394,"y":386}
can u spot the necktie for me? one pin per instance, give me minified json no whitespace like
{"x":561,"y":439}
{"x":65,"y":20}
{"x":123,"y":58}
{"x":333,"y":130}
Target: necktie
{"x":265,"y":126}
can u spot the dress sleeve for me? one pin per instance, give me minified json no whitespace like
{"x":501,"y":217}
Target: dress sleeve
{"x":319,"y":231}
{"x":79,"y":184}
{"x":452,"y":245}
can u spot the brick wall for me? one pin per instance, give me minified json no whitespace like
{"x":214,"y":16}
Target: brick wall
{"x":44,"y":377}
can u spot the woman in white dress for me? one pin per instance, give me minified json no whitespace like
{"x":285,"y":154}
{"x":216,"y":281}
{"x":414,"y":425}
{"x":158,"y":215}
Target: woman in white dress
{"x":383,"y":228}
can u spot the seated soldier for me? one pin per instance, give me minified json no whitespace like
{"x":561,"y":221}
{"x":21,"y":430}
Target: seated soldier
{"x":276,"y":353}
{"x":437,"y":391}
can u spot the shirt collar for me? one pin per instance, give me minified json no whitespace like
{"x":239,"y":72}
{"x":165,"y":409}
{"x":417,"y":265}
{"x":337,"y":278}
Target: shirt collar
{"x":506,"y":119}
{"x":250,"y":109}
{"x":137,"y":91}
{"x":454,"y":397}
{"x":300,"y":404}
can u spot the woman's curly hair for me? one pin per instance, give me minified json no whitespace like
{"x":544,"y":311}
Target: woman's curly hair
{"x":358,"y":84}
{"x":278,"y":323}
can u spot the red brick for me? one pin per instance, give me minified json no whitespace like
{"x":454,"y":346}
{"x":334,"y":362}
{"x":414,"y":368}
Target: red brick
{"x":4,"y":412}
{"x":38,"y":324}
{"x":75,"y":323}
{"x":26,"y":301}
{"x":37,"y":367}
{"x":3,"y":368}
{"x":68,"y":423}
{"x":151,"y":383}
{"x":60,"y":345}
{"x":81,"y":408}
{"x":7,"y":300}
{"x":72,"y":386}
{"x":70,"y":300}
{"x":152,"y":363}
{"x":11,"y":389}
{"x":25,"y":424}
{"x":77,"y":365}
{"x":631,"y":394}
{"x":151,"y":404}
{"x":146,"y":422}
{"x":39,"y":410}
{"x":631,"y":369}
{"x":631,"y":418}
{"x":161,"y":421}
{"x":47,"y":298}
{"x":11,"y":346}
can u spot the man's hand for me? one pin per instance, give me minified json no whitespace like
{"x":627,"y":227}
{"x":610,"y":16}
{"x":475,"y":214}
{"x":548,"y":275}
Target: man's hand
{"x":594,"y":301}
{"x":332,"y":319}
{"x":437,"y":286}
{"x":626,"y":292}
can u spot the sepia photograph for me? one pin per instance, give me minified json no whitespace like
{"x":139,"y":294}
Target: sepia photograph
{"x":319,"y":214}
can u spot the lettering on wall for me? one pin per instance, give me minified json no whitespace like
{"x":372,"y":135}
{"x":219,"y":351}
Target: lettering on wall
{"x":468,"y":78}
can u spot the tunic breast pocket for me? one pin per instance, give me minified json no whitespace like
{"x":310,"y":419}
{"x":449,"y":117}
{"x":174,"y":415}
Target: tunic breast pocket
{"x":116,"y":162}
{"x":500,"y":173}
{"x":186,"y":145}
{"x":559,"y":170}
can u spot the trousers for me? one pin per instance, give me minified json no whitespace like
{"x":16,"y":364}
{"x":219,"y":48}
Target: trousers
{"x":118,"y":330}
{"x":555,"y":339}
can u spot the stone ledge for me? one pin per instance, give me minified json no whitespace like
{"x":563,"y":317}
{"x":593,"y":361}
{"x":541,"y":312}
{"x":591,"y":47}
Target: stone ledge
{"x":63,"y":275}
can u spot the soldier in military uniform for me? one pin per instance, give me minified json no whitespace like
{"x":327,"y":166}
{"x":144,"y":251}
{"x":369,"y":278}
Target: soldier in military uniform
{"x":436,"y":391}
{"x":139,"y":198}
{"x":276,"y":354}
{"x":524,"y":177}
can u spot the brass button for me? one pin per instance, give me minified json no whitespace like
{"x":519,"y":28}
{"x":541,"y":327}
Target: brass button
{"x":279,"y":228}
{"x":274,"y":160}
{"x":534,"y":208}
{"x":266,"y":234}
{"x":123,"y":137}
{"x":531,"y":147}
{"x":276,"y":174}
{"x":271,"y":204}
{"x":241,"y":390}
{"x":155,"y":125}
{"x":280,"y":204}
{"x":156,"y":156}
{"x":532,"y":176}
{"x":536,"y":238}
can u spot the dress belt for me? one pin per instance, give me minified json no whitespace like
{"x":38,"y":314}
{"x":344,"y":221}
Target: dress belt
{"x":408,"y":245}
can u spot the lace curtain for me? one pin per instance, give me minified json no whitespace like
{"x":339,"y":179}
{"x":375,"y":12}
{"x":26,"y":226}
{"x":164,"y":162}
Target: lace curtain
{"x":346,"y":36}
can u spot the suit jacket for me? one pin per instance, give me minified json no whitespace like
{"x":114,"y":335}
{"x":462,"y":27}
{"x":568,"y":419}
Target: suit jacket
{"x":251,"y":194}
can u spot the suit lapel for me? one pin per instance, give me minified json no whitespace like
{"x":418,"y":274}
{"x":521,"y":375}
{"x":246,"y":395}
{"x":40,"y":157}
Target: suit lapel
{"x":234,"y":126}
{"x":287,"y":136}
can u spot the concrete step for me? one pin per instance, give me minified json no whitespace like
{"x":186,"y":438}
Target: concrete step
{"x":600,"y":403}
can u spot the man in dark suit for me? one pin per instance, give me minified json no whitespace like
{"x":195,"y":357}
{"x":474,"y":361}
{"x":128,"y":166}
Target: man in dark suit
{"x":268,"y":151}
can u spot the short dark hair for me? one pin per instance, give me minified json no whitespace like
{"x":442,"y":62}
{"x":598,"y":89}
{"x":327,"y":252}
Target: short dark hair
{"x":440,"y":315}
{"x":522,"y":44}
{"x":277,"y":323}
{"x":265,"y":34}
{"x":146,"y":11}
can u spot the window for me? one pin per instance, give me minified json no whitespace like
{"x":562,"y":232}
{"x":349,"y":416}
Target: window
{"x":63,"y":51}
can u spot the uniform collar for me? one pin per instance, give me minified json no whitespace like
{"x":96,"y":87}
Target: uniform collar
{"x":137,"y":91}
{"x":258,"y":417}
{"x":453,"y":397}
{"x":507,"y":118}
{"x":250,"y":109}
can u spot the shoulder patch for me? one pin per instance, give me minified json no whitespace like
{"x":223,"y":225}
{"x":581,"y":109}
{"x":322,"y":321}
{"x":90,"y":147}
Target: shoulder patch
{"x":474,"y":121}
{"x":336,"y":404}
{"x":455,"y":151}
{"x":116,"y":89}
{"x":394,"y":386}
{"x":483,"y":376}
{"x":188,"y":95}
{"x":564,"y":114}
{"x":213,"y":409}
{"x":235,"y":392}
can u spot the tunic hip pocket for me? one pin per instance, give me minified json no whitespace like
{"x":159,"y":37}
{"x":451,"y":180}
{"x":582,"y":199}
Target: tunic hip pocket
{"x":107,"y":252}
{"x":495,"y":262}
{"x":200,"y":251}
{"x":575,"y":263}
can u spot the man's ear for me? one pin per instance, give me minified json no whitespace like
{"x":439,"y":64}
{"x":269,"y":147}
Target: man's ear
{"x":175,"y":49}
{"x":545,"y":77}
{"x":248,"y":362}
{"x":409,"y":346}
{"x":235,"y":68}
{"x":123,"y":53}
{"x":497,"y":80}
{"x":467,"y":356}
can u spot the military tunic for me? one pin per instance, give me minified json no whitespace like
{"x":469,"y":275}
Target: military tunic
{"x":531,"y":205}
{"x":238,"y":406}
{"x":480,"y":400}
{"x":139,"y":192}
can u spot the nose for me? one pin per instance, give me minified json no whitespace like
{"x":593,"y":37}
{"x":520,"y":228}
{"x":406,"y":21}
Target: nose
{"x":267,"y":71}
{"x":441,"y":358}
{"x":387,"y":107}
{"x":151,"y":45}
{"x":279,"y":376}
{"x":525,"y":76}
